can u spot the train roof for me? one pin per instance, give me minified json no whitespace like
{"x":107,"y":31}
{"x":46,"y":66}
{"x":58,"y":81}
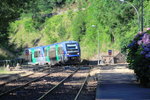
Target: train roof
{"x":61,"y":43}
{"x":39,"y":47}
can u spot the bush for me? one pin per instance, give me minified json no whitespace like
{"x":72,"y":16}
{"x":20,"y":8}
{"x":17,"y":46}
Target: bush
{"x":139,"y":57}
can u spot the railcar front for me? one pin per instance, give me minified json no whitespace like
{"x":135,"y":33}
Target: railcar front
{"x":72,"y":52}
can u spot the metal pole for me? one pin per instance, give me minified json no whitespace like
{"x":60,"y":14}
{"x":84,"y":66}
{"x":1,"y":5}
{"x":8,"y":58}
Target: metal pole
{"x":98,"y":46}
{"x":142,"y":20}
{"x":137,"y":15}
{"x":98,"y":49}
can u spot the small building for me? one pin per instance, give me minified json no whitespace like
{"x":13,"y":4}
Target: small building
{"x":120,"y":58}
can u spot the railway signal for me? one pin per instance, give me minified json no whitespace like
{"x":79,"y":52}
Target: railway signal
{"x":27,"y":52}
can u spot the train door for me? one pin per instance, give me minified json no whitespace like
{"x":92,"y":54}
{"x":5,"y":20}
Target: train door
{"x":47,"y":54}
{"x":38,"y":56}
{"x":52,"y":55}
{"x":60,"y":53}
{"x":33,"y":59}
{"x":57,"y":53}
{"x":29,"y":57}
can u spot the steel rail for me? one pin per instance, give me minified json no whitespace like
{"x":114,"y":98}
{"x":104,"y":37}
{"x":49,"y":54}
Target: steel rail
{"x":53,"y":88}
{"x":21,"y":77}
{"x":85,"y":81}
{"x":14,"y":89}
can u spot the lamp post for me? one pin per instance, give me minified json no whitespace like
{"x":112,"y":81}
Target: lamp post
{"x":135,"y":11}
{"x":142,"y":19}
{"x":98,"y":47}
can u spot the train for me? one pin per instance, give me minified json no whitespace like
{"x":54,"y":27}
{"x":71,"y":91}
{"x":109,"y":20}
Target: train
{"x":63,"y":53}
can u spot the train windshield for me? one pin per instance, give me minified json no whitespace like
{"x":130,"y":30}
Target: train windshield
{"x":71,"y":46}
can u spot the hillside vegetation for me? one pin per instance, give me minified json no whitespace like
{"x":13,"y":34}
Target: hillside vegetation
{"x":50,"y":21}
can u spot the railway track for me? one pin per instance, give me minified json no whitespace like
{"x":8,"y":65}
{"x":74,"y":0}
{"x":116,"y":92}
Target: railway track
{"x":62,"y":84}
{"x":88,"y":90}
{"x":24,"y":81}
{"x":28,"y":88}
{"x":66,"y":89}
{"x":21,"y":77}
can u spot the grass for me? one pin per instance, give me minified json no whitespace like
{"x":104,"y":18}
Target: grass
{"x":3,"y":70}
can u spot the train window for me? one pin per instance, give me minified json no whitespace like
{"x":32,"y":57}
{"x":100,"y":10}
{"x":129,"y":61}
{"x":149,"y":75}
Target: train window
{"x":37,"y":54}
{"x":45,"y":52}
{"x":60,"y":50}
{"x":49,"y":53}
{"x":71,"y":46}
{"x":53,"y":52}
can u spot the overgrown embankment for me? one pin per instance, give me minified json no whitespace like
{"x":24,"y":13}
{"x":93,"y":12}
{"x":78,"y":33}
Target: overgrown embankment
{"x":115,"y":22}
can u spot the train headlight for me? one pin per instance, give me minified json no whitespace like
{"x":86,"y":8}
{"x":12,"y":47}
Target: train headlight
{"x":78,"y":53}
{"x":67,"y":53}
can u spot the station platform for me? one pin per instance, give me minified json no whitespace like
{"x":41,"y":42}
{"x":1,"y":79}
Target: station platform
{"x":117,"y":82}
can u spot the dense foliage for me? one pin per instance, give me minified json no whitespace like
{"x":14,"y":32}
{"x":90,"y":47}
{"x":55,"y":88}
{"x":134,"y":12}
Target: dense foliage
{"x":11,"y":11}
{"x":139,"y":56}
{"x":44,"y":22}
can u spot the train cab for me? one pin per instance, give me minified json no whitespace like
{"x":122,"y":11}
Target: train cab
{"x":72,"y":52}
